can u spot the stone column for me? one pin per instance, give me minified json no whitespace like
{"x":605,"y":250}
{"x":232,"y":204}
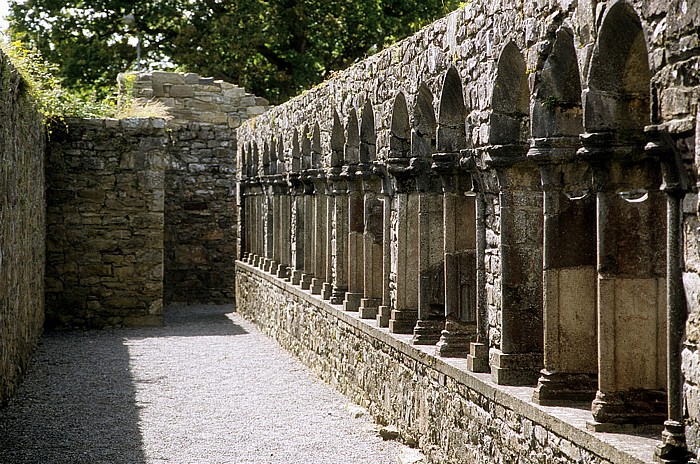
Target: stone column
{"x":297,"y":219}
{"x":309,"y":232}
{"x":339,"y":247}
{"x":373,"y":250}
{"x":518,"y":361}
{"x":355,"y":244}
{"x":569,"y":293}
{"x":459,"y":213}
{"x":384,"y":308}
{"x":320,"y":234}
{"x":404,"y":252}
{"x":631,"y":231}
{"x":431,"y":279}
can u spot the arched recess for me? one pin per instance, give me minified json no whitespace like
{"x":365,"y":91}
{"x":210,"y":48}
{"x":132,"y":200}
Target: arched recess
{"x":368,"y":135}
{"x":518,"y":359}
{"x":459,"y":226}
{"x":273,"y":156}
{"x":266,"y":159}
{"x":295,"y":166}
{"x":352,"y":144}
{"x":631,"y":226}
{"x":306,"y":149}
{"x":569,"y":235}
{"x":510,"y":104}
{"x":400,"y":137}
{"x":337,"y":142}
{"x":424,"y":124}
{"x":316,"y":152}
{"x":618,"y":95}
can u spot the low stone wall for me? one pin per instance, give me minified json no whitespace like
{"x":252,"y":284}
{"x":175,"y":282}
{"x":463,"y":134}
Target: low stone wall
{"x":105,"y":223}
{"x":453,"y":415}
{"x":22,"y":227}
{"x":200,"y":176}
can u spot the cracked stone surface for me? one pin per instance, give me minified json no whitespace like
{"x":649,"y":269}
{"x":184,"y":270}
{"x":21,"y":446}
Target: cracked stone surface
{"x":207,"y":387}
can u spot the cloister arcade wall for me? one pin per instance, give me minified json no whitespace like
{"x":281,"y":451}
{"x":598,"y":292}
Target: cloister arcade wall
{"x":514,"y":185}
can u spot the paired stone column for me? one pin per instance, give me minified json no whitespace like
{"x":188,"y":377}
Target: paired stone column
{"x":384,"y":308}
{"x":459,"y":213}
{"x":355,"y":243}
{"x":519,"y":359}
{"x":404,"y":224}
{"x":320,"y":236}
{"x":298,"y":226}
{"x":339,"y":241}
{"x":569,"y":306}
{"x":631,"y":231}
{"x":373,"y":248}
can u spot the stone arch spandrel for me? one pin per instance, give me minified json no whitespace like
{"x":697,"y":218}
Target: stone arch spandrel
{"x":510,"y":103}
{"x":368,"y":134}
{"x":451,"y":129}
{"x":399,"y":139}
{"x":352,"y":133}
{"x":618,"y":95}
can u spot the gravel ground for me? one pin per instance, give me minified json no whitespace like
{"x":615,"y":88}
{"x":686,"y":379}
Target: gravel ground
{"x":207,"y":387}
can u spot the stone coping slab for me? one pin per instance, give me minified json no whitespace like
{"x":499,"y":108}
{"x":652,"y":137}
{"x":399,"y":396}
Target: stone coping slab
{"x":566,"y":421}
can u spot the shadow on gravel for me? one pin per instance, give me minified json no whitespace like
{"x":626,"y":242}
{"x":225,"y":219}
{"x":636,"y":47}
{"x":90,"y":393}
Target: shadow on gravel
{"x":77,"y":402}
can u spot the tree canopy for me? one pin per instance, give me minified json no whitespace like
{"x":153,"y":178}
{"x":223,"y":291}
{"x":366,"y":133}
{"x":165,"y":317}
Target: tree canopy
{"x":273,"y":48}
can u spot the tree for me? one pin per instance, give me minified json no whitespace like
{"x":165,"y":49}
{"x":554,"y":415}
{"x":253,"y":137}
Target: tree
{"x":273,"y":48}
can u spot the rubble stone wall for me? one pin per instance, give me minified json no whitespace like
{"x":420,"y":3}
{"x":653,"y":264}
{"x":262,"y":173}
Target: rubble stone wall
{"x":200,"y":179}
{"x":105,"y":190}
{"x":22,"y":227}
{"x":452,"y":415}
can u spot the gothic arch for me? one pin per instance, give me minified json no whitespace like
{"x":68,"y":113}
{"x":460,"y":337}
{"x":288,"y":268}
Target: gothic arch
{"x":399,"y":139}
{"x":316,"y":153}
{"x":296,"y":153}
{"x":424,"y":124}
{"x":451,"y":129}
{"x":281,"y":158}
{"x":306,"y":148}
{"x":337,"y":141}
{"x":618,"y":96}
{"x":368,"y":135}
{"x":510,"y":104}
{"x":352,"y":144}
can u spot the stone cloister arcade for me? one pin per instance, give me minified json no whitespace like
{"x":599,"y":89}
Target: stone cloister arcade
{"x":520,"y":209}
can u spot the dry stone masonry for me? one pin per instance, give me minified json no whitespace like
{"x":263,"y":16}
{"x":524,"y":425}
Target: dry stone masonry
{"x":514,"y":190}
{"x":22,"y":225}
{"x":200,"y":180}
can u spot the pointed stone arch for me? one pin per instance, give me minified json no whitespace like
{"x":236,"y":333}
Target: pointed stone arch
{"x":424,"y":124}
{"x":316,"y":151}
{"x":352,"y":143}
{"x":296,"y":153}
{"x":368,"y":135}
{"x":510,"y":103}
{"x":399,"y":138}
{"x":337,"y":141}
{"x":451,"y":129}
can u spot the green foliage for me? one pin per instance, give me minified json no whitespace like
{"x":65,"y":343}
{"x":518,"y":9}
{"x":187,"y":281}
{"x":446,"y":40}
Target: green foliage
{"x":274,"y":49}
{"x":55,"y":102}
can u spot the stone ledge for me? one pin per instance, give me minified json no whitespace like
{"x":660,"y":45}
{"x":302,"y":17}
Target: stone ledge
{"x":567,"y":422}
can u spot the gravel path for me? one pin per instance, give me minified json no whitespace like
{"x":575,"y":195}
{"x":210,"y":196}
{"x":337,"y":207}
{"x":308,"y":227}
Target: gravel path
{"x":206,"y":388}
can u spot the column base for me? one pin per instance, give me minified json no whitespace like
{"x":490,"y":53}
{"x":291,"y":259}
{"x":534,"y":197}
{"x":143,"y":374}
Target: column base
{"x":427,"y":332}
{"x":403,"y":321}
{"x":296,"y":277}
{"x":368,"y":308}
{"x":316,"y":286}
{"x":456,"y":339}
{"x":282,"y":271}
{"x":554,"y":388}
{"x":673,"y":448}
{"x":352,"y":301}
{"x":338,"y":296}
{"x":516,"y":369}
{"x":255,"y":261}
{"x":383,"y":316}
{"x":306,"y":280}
{"x":635,"y":407}
{"x":478,"y":358}
{"x":326,"y":291}
{"x":269,"y":265}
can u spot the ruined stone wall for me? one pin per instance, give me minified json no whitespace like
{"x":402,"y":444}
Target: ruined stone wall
{"x":22,"y":227}
{"x":576,"y":123}
{"x":452,"y":415}
{"x":200,"y":202}
{"x":105,"y":189}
